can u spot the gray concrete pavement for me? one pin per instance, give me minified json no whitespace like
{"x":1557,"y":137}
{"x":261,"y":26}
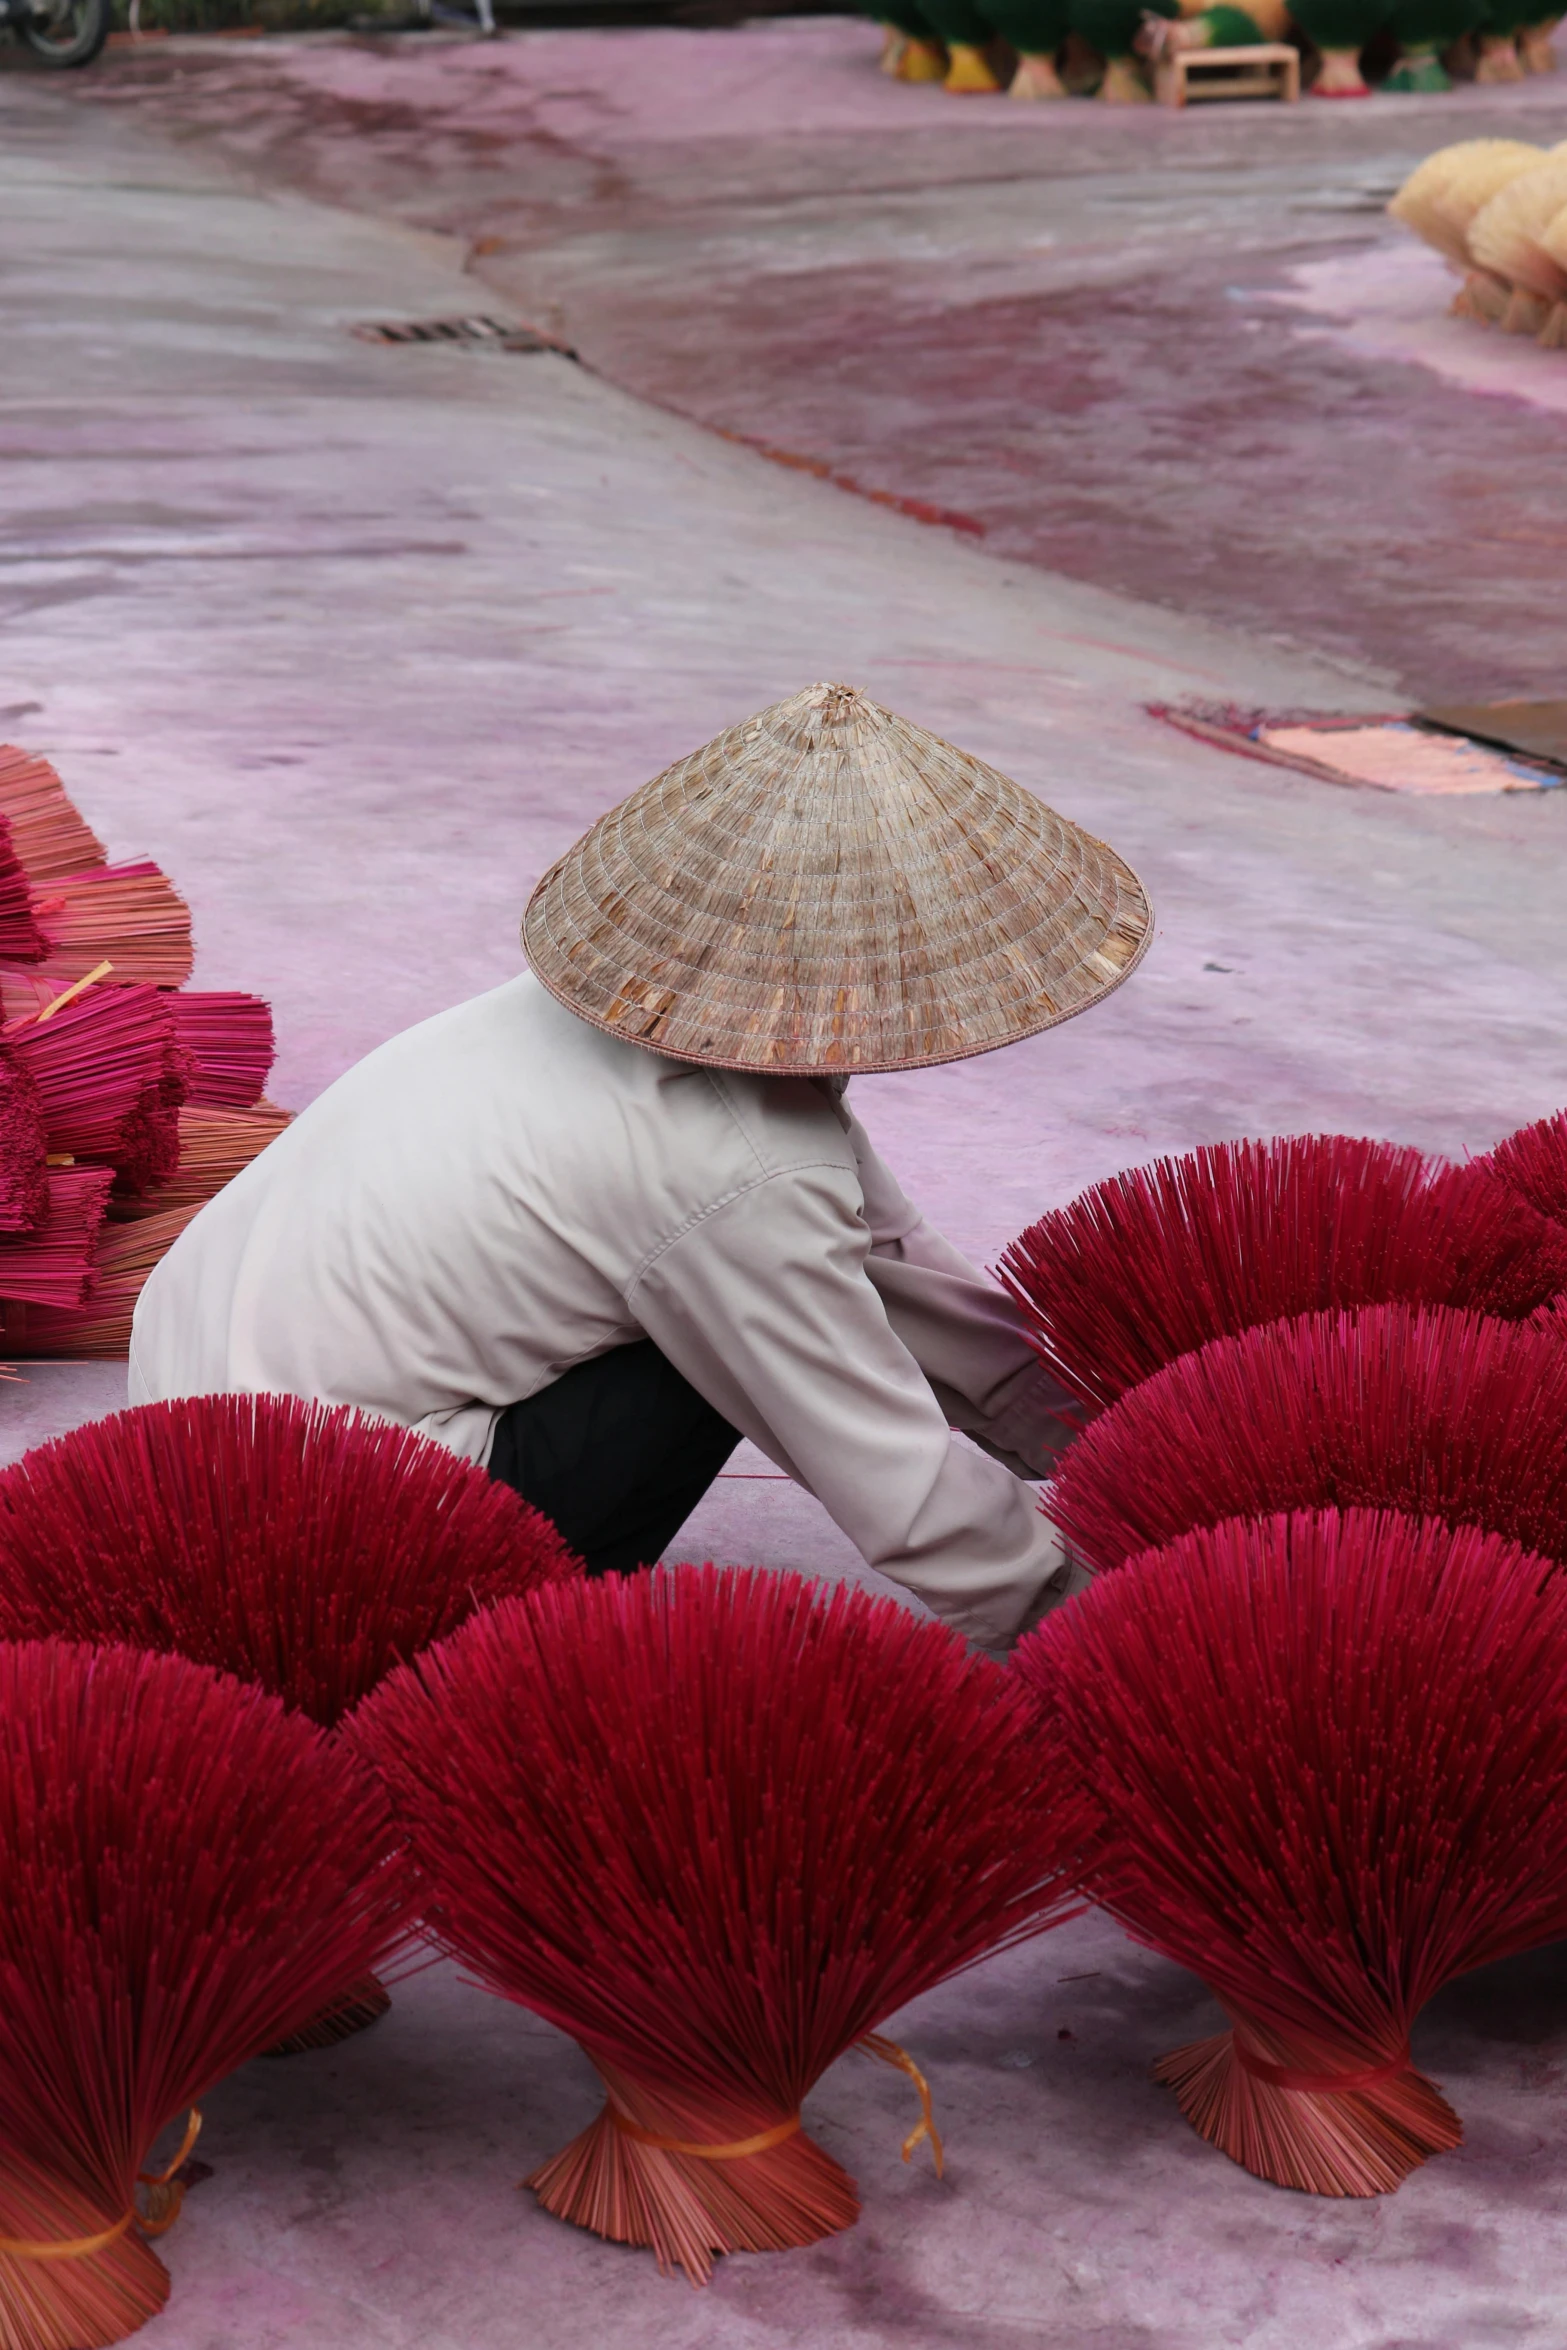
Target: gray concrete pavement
{"x":355,"y":640}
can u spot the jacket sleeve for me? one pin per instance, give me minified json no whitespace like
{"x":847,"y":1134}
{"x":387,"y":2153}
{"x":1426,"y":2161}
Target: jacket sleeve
{"x":966,"y":1334}
{"x":763,"y":1302}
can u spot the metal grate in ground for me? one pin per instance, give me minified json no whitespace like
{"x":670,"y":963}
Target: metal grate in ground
{"x":493,"y":334}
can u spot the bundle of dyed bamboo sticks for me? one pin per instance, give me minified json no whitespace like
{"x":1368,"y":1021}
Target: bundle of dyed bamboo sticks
{"x":126,"y":1100}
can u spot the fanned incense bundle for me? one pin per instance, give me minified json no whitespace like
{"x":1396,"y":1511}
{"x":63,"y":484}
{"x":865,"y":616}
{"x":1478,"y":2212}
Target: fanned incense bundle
{"x":129,"y":915}
{"x":229,"y":1038}
{"x":110,"y":1078}
{"x":716,"y":1826}
{"x":1442,"y":195}
{"x":1533,"y":1162}
{"x":1506,"y":235}
{"x":1331,"y":1760}
{"x":1443,"y":1414}
{"x":51,"y":1263}
{"x":47,"y":833}
{"x":21,"y":940}
{"x":190,"y":1872}
{"x":97,"y":1327}
{"x":1160,"y":1259}
{"x":24,"y":1189}
{"x":303,"y":1548}
{"x":213,"y":1147}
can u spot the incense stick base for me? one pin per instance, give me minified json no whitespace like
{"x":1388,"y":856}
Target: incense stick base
{"x":364,"y":2005}
{"x":1339,"y":2142}
{"x":687,"y":2209}
{"x":79,"y":2304}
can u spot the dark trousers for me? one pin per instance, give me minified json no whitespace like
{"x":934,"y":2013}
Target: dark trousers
{"x":617,"y":1451}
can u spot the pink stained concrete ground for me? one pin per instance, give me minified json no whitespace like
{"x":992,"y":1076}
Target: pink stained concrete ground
{"x":354,"y":641}
{"x":1112,"y":340}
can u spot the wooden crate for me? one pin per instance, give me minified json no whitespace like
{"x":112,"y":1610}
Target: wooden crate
{"x":1270,"y":69}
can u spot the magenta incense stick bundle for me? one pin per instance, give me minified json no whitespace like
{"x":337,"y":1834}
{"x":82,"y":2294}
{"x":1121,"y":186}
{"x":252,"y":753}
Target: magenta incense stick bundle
{"x":1157,"y":1261}
{"x":230,"y":1042}
{"x":190,"y":1873}
{"x":1435,"y":1412}
{"x":717,"y":1826}
{"x":128,"y":915}
{"x":48,"y":835}
{"x":1330,"y":1760}
{"x":213,"y":1147}
{"x":51,"y":1265}
{"x":110,"y":1078}
{"x":98,"y":1329}
{"x":21,"y":940}
{"x":24,"y":1150}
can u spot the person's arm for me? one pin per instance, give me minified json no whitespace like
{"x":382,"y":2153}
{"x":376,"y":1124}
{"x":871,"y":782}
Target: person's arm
{"x":764,"y":1304}
{"x":966,"y":1334}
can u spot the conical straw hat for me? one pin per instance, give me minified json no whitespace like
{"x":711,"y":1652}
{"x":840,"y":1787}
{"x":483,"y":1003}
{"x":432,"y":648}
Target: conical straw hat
{"x":828,"y":887}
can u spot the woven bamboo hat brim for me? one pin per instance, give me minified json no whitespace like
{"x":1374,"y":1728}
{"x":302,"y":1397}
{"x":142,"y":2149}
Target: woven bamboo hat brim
{"x":828,"y":887}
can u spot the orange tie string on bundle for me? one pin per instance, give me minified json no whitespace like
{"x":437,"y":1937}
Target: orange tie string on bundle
{"x":873,"y":2044}
{"x":150,"y":2224}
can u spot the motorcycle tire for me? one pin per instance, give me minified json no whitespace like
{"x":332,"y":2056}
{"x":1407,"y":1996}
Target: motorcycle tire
{"x":65,"y":33}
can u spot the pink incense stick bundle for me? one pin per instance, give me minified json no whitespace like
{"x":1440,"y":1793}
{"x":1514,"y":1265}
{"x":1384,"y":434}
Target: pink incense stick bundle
{"x":129,"y":915}
{"x":21,"y":940}
{"x":110,"y":1078}
{"x":99,"y":1328}
{"x":303,"y":1549}
{"x":716,"y":1826}
{"x":229,"y":1038}
{"x":1158,"y":1260}
{"x":51,"y":1264}
{"x":190,"y":1871}
{"x":49,"y":836}
{"x":24,"y":1189}
{"x":1330,"y":1756}
{"x":1439,"y":1413}
{"x":1533,"y":1162}
{"x":214,"y":1145}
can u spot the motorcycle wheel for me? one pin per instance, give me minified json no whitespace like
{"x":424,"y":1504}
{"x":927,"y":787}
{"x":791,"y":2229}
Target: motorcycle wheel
{"x":66,"y":32}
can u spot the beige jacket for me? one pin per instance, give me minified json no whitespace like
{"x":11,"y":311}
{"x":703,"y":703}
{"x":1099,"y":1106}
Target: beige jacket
{"x":504,"y":1191}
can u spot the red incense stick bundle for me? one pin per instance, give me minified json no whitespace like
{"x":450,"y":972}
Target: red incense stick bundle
{"x":1444,"y":1414}
{"x":24,"y":1190}
{"x":213,"y":1147}
{"x":110,"y":1078}
{"x":47,"y":833}
{"x":129,"y":915}
{"x":1158,"y":1260}
{"x":190,"y":1871}
{"x":229,"y":1038}
{"x":98,"y":1329}
{"x":21,"y":940}
{"x":1331,"y":1760}
{"x":716,"y":1826}
{"x":1533,"y":1162}
{"x":303,"y":1548}
{"x":51,"y":1264}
